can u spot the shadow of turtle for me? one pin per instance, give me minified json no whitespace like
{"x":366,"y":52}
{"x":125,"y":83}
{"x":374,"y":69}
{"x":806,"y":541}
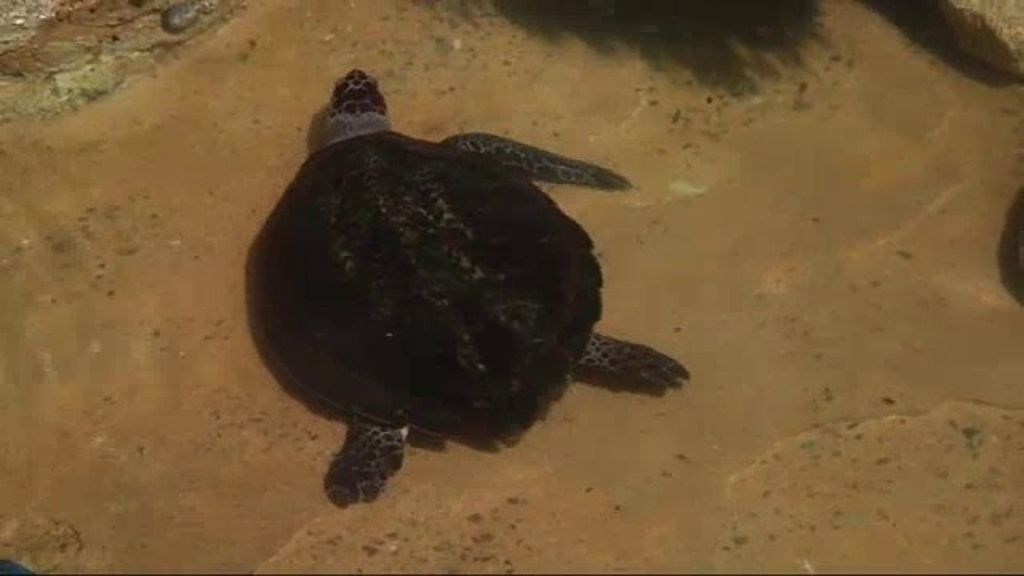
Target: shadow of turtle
{"x":1010,"y":255}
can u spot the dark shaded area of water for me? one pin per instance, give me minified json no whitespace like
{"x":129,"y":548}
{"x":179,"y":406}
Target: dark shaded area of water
{"x":727,"y":44}
{"x":1011,"y":249}
{"x":923,"y":23}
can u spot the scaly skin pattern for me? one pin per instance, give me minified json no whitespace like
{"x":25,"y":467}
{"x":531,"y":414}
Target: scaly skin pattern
{"x":625,"y":365}
{"x":372,"y":453}
{"x":538,"y":164}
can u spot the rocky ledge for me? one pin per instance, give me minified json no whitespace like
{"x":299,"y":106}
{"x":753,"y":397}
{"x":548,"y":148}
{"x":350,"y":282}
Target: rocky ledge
{"x":992,"y":30}
{"x":56,"y":55}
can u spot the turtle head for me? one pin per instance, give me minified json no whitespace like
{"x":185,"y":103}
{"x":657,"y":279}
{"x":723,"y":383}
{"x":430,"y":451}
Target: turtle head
{"x":357,"y":107}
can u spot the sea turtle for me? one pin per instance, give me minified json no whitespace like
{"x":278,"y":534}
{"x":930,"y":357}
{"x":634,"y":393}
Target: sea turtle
{"x":408,"y":282}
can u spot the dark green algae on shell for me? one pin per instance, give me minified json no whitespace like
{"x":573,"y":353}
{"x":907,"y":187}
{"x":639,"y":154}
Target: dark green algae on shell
{"x":398,"y":275}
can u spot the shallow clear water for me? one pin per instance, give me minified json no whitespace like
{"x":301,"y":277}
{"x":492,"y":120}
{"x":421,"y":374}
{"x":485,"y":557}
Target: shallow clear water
{"x":813,"y":229}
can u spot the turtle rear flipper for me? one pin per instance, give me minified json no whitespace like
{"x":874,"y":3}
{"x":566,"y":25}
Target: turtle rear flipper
{"x":373,"y":452}
{"x":620,"y":365}
{"x":538,"y":164}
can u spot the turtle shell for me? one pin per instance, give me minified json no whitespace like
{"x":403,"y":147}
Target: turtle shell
{"x":399,"y":277}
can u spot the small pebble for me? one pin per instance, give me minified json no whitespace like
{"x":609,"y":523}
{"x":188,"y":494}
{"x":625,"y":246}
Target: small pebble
{"x":681,"y":187}
{"x":180,"y":16}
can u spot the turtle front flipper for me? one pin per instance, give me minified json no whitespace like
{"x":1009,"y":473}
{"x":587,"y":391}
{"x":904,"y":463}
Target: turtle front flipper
{"x":538,"y":164}
{"x":621,"y":365}
{"x":372,"y":453}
